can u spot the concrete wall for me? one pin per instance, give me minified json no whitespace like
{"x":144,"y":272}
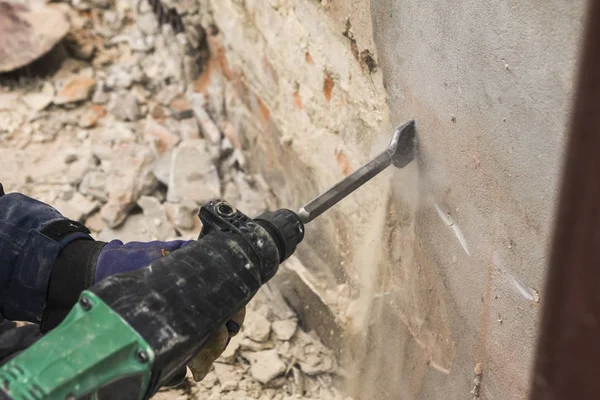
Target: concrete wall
{"x":490,"y":85}
{"x":441,"y":265}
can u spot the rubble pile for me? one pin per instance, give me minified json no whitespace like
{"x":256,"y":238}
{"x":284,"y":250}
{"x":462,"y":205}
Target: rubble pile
{"x":117,"y":139}
{"x":272,"y":358}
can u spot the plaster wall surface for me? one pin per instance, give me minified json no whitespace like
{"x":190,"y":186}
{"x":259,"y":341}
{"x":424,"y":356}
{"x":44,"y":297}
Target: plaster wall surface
{"x":490,"y":85}
{"x":429,"y":279}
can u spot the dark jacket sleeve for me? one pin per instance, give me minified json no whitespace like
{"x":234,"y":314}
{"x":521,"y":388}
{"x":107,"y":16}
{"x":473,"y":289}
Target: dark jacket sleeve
{"x":32,"y":235}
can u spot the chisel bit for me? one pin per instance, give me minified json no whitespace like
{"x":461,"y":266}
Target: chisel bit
{"x":400,"y":152}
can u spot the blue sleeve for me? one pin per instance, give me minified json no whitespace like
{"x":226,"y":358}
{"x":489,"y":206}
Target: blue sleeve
{"x":32,"y":235}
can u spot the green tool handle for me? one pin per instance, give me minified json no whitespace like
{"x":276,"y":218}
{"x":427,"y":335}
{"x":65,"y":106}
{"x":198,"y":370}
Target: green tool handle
{"x":93,"y":350}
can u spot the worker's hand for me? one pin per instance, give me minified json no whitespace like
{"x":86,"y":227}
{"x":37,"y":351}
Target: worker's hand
{"x":117,"y":257}
{"x":201,"y":363}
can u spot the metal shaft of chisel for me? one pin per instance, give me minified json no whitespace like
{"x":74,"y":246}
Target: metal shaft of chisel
{"x":399,"y":152}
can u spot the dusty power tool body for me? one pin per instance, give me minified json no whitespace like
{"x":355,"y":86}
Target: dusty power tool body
{"x":131,"y":333}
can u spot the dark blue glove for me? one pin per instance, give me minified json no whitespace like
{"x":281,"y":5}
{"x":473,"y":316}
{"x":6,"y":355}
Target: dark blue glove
{"x":117,"y":257}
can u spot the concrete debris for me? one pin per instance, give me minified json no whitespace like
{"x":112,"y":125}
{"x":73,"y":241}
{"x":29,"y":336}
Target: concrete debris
{"x":139,"y":42}
{"x":158,"y":113}
{"x":257,"y":327}
{"x":227,"y":375}
{"x":226,"y":148}
{"x":188,"y":129}
{"x":237,"y":160}
{"x":265,"y":365}
{"x":231,"y":193}
{"x":162,"y":167}
{"x":209,"y":129}
{"x":135,"y":228}
{"x":94,"y":222}
{"x":40,"y":100}
{"x":317,"y":364}
{"x":88,"y":119}
{"x":298,"y":382}
{"x":100,"y":95}
{"x":125,"y":107}
{"x":251,"y":202}
{"x":181,"y":108}
{"x":232,"y":133}
{"x":94,"y":184}
{"x":228,"y":356}
{"x":193,"y":176}
{"x":167,"y":94}
{"x":160,"y":138}
{"x":80,"y":161}
{"x":119,"y":77}
{"x":158,"y":224}
{"x":77,"y":208}
{"x":129,"y":178}
{"x":75,"y":90}
{"x":251,"y":345}
{"x":182,"y":215}
{"x":147,"y":23}
{"x":284,"y":330}
{"x":8,"y":100}
{"x":70,"y":157}
{"x":80,"y":45}
{"x":85,"y":5}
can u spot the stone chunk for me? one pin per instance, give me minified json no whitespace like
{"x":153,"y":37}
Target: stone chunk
{"x":188,"y":129}
{"x":77,"y":208}
{"x":94,"y":222}
{"x":94,"y":184}
{"x":193,"y":175}
{"x":227,"y":375}
{"x":181,"y":108}
{"x":228,"y":356}
{"x":257,"y":327}
{"x":252,"y":202}
{"x":88,"y":119}
{"x":265,"y":365}
{"x":125,"y":107}
{"x":134,"y":229}
{"x":209,"y":128}
{"x":147,"y":23}
{"x":160,"y":136}
{"x":162,"y":167}
{"x":74,"y":90}
{"x":181,"y":215}
{"x":158,"y":225}
{"x":129,"y":178}
{"x":284,"y":330}
{"x":40,"y":100}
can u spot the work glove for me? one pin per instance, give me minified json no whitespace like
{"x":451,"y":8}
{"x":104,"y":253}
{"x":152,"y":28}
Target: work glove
{"x":202,"y":362}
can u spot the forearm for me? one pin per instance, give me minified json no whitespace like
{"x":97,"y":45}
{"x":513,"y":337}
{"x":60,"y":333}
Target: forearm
{"x":32,"y":235}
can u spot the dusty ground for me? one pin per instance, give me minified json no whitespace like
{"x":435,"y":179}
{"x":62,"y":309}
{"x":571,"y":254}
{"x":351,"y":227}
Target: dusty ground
{"x":118,"y":139}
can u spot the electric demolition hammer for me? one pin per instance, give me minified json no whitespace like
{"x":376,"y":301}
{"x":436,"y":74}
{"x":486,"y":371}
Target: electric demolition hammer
{"x":131,"y":333}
